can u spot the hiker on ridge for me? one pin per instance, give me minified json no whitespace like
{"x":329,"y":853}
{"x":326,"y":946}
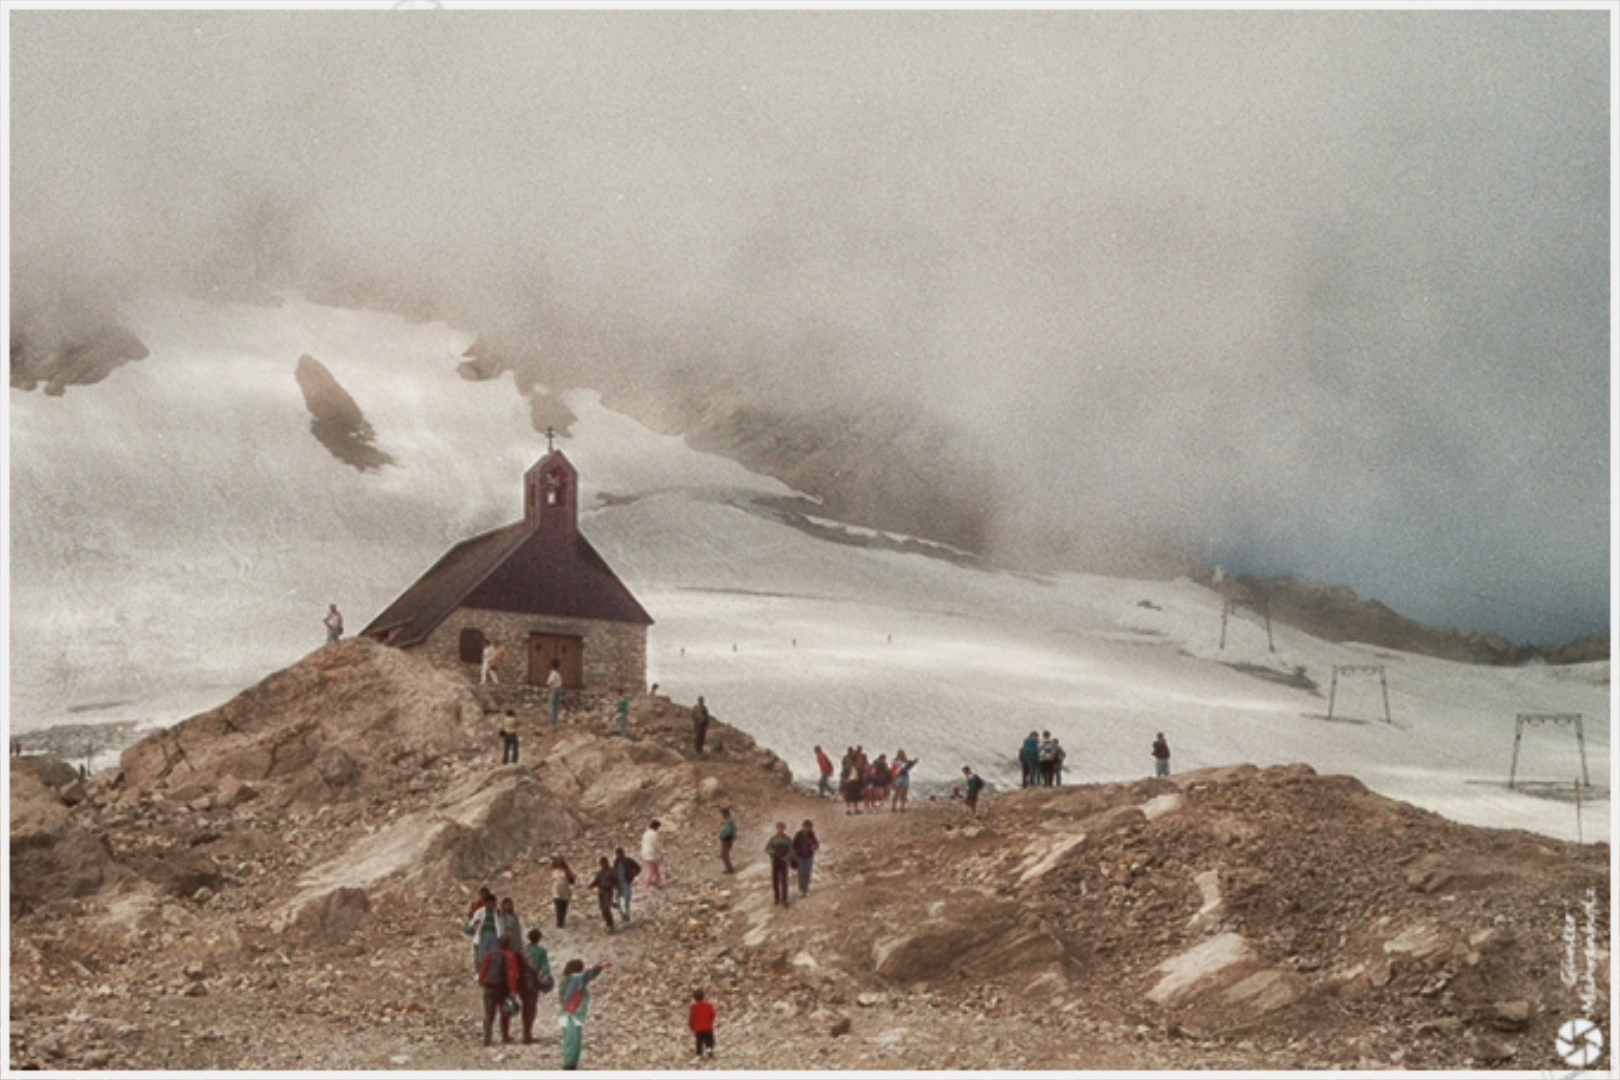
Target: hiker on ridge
{"x":700,"y":724}
{"x":824,"y":763}
{"x":728,"y":837}
{"x":1029,"y":756}
{"x":1161,"y":756}
{"x":780,"y":849}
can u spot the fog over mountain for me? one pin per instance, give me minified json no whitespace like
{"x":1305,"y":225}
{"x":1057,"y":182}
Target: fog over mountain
{"x":1311,"y":292}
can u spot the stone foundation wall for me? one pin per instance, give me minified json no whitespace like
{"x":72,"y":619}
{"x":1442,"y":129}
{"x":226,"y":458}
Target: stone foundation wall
{"x":614,"y":654}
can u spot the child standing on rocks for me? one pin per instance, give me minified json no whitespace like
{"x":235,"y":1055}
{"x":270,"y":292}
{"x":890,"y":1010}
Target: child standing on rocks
{"x":701,"y":1021}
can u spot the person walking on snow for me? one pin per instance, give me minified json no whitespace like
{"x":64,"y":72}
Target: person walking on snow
{"x":824,"y":763}
{"x":780,"y":849}
{"x":700,"y":724}
{"x":652,"y":855}
{"x":334,"y":624}
{"x":805,"y":846}
{"x":1161,"y":756}
{"x":728,"y":837}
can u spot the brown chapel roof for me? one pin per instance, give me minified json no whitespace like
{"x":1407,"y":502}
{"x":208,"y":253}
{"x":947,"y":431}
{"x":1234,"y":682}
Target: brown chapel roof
{"x":519,"y":569}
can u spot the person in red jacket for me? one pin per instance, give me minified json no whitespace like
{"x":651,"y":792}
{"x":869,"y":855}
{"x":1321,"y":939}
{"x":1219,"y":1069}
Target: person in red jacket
{"x":499,"y":976}
{"x":824,"y":763}
{"x":701,"y":1021}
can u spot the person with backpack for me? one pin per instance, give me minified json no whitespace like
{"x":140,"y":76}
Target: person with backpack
{"x":1058,"y":757}
{"x":500,"y":976}
{"x":606,"y":884}
{"x":974,"y":786}
{"x":1047,"y":756}
{"x":728,"y":837}
{"x":562,"y":888}
{"x":780,"y":849}
{"x":534,"y":979}
{"x":805,"y":846}
{"x":701,"y":1021}
{"x":1161,"y":756}
{"x":575,"y":999}
{"x":1029,"y":756}
{"x":625,"y":870}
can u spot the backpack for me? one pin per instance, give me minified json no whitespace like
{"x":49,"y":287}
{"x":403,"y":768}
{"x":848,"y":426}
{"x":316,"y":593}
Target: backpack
{"x":631,"y":868}
{"x":494,"y":973}
{"x":576,"y":995}
{"x":974,"y":784}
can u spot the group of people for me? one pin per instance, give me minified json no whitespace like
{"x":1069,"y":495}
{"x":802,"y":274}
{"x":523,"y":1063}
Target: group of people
{"x":1042,"y":759}
{"x":613,"y":881}
{"x":513,"y":975}
{"x":866,"y":784}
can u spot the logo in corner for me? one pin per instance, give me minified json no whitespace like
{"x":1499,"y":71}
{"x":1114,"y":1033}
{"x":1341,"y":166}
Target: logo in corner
{"x":1579,"y":1043}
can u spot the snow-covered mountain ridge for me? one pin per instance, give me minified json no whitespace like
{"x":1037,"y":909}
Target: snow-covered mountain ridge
{"x":177,"y":532}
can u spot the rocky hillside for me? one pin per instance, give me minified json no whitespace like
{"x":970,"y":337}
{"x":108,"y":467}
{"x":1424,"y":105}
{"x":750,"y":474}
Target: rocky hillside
{"x":280,"y":884}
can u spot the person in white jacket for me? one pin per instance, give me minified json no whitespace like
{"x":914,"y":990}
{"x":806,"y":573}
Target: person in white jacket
{"x":652,"y":854}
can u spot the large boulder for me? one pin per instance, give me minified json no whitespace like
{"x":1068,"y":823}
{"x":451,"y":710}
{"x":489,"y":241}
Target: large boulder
{"x":971,"y":936}
{"x":479,"y":827}
{"x":330,"y":721}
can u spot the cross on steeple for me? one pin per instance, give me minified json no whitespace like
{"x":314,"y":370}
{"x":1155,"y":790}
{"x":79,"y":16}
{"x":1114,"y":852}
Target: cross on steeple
{"x":550,"y":435}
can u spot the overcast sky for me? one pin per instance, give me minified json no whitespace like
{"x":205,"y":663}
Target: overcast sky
{"x":1314,"y":292}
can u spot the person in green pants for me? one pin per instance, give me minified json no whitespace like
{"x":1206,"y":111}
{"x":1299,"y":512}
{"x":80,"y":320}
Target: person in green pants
{"x":575,"y":997}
